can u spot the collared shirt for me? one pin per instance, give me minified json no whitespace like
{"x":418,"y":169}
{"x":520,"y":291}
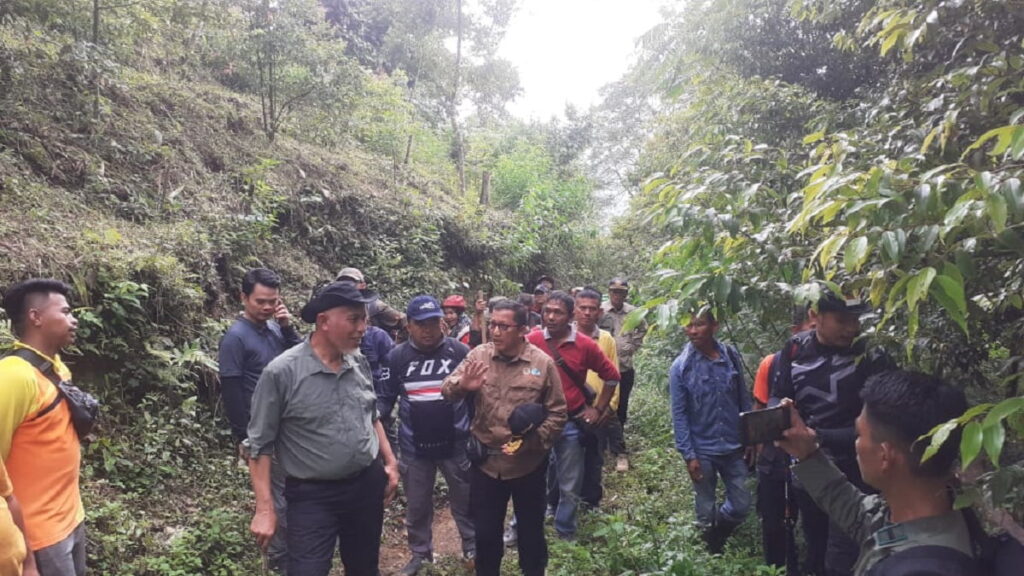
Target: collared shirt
{"x":628,"y":342}
{"x":580,"y":354}
{"x":529,"y":377}
{"x":866,"y":519}
{"x":707,"y":398}
{"x":319,"y":423}
{"x":606,"y":343}
{"x":245,"y":350}
{"x":42,"y":452}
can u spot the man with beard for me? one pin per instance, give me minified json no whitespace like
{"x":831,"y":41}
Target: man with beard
{"x":315,"y":410}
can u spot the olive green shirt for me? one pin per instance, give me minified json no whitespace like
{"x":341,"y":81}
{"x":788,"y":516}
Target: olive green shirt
{"x":627,"y":343}
{"x":318,"y":423}
{"x":865,"y":518}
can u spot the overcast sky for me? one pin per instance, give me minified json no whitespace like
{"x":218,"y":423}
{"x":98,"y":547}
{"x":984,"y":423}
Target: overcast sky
{"x":566,"y":50}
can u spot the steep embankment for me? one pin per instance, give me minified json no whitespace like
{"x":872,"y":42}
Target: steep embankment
{"x":152,"y":205}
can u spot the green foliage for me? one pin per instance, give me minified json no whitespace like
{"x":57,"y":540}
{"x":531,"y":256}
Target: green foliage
{"x":900,"y":183}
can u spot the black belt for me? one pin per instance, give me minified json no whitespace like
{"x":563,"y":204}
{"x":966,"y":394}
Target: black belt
{"x":344,"y":480}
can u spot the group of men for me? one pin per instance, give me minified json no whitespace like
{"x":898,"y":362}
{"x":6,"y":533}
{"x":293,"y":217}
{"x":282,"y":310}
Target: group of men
{"x":511,"y":403}
{"x":516,"y":401}
{"x":855,"y":421}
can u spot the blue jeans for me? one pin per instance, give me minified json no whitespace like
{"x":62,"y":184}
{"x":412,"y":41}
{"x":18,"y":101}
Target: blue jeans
{"x":733,"y":471}
{"x":567,"y":469}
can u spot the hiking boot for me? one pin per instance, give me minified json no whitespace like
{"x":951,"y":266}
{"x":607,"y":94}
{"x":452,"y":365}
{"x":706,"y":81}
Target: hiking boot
{"x":622,"y":463}
{"x":414,"y":566}
{"x":511,"y":536}
{"x":469,"y":561}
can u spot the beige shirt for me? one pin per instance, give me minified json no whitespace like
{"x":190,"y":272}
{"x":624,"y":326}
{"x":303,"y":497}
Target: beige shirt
{"x":530,"y":377}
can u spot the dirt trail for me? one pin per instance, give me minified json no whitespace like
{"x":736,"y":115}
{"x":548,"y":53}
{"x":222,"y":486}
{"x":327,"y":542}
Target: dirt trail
{"x":394,"y":549}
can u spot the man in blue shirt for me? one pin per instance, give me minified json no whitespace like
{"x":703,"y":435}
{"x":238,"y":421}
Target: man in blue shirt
{"x":245,"y":350}
{"x":708,"y":394}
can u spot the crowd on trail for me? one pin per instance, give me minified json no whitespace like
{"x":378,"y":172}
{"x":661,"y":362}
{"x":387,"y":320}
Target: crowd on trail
{"x":515,"y":399}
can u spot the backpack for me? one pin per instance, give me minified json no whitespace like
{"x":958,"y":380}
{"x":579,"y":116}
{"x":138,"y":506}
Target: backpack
{"x":1000,"y":554}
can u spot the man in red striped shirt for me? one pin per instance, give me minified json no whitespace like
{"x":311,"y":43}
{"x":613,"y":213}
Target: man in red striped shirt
{"x":575,"y":354}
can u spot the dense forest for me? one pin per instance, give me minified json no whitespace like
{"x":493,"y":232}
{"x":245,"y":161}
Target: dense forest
{"x":151,"y":152}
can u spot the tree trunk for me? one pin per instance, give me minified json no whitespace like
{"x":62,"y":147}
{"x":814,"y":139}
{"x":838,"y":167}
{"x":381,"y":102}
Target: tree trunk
{"x":453,"y":107}
{"x":95,"y":49}
{"x":485,"y":188}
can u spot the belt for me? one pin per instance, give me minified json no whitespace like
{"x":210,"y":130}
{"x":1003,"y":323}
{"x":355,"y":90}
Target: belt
{"x":345,"y":480}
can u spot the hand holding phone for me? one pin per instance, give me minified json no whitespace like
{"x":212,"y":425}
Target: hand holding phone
{"x":761,"y":426}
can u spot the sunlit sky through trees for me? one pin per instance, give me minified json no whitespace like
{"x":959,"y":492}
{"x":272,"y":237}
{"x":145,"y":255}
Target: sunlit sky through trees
{"x":566,"y":50}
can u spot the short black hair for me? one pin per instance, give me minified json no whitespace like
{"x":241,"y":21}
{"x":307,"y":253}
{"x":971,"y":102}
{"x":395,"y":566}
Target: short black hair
{"x":564,"y":298}
{"x":525,"y":299}
{"x":263,"y":276}
{"x":17,"y":298}
{"x":519,"y":312}
{"x":902,"y":405}
{"x":590,"y":293}
{"x":705,"y":312}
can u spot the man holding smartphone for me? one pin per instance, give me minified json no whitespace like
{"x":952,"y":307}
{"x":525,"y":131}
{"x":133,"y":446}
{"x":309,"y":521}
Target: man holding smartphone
{"x":260,"y":333}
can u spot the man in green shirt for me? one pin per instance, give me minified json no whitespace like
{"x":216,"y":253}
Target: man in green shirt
{"x":912,"y":522}
{"x":314,"y":408}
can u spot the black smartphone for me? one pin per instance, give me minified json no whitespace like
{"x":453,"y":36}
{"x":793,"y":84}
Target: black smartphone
{"x":760,"y":426}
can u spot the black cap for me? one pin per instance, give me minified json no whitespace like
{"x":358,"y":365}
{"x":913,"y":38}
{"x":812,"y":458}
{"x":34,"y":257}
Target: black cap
{"x":526,"y":417}
{"x":333,"y":295}
{"x":829,"y":301}
{"x":541,"y":289}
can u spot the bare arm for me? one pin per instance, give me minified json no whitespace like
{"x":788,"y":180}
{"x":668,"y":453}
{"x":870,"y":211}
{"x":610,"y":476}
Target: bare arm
{"x":390,"y":463}
{"x":264,"y":520}
{"x":29,"y":568}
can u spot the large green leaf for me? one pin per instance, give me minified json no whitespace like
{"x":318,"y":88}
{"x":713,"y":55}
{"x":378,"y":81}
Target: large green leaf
{"x":970,"y":443}
{"x":918,"y":286}
{"x":949,"y":292}
{"x":939,"y":434}
{"x":994,"y":438}
{"x":856,"y":254}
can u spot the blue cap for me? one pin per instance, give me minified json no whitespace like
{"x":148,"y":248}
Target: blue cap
{"x":423,"y":307}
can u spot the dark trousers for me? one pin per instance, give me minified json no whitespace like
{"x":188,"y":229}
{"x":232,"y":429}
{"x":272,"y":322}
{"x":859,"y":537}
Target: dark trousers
{"x":347,"y":514}
{"x":771,"y":505}
{"x":488,"y":501}
{"x":625,"y":389}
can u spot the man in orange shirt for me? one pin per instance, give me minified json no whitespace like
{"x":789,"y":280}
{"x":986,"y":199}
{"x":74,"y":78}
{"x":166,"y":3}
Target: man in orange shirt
{"x":38,"y":442}
{"x":14,"y":557}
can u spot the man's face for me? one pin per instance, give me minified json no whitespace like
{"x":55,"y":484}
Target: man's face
{"x":701,"y":332}
{"x":539,"y":299}
{"x":451,"y":316}
{"x":262,"y":303}
{"x":52,"y":316}
{"x":505,"y":333}
{"x":588,"y":312}
{"x":838,"y":329}
{"x":343,"y":327}
{"x":617,"y":297}
{"x":426,"y":334}
{"x":869,"y":452}
{"x":556,"y":317}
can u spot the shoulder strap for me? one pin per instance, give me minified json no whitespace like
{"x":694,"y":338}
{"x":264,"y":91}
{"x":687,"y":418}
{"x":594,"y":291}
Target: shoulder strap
{"x":46,"y":368}
{"x":574,"y":376}
{"x":737,"y":365}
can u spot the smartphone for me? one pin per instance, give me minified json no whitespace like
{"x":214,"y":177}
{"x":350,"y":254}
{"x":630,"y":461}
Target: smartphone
{"x":761,"y":426}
